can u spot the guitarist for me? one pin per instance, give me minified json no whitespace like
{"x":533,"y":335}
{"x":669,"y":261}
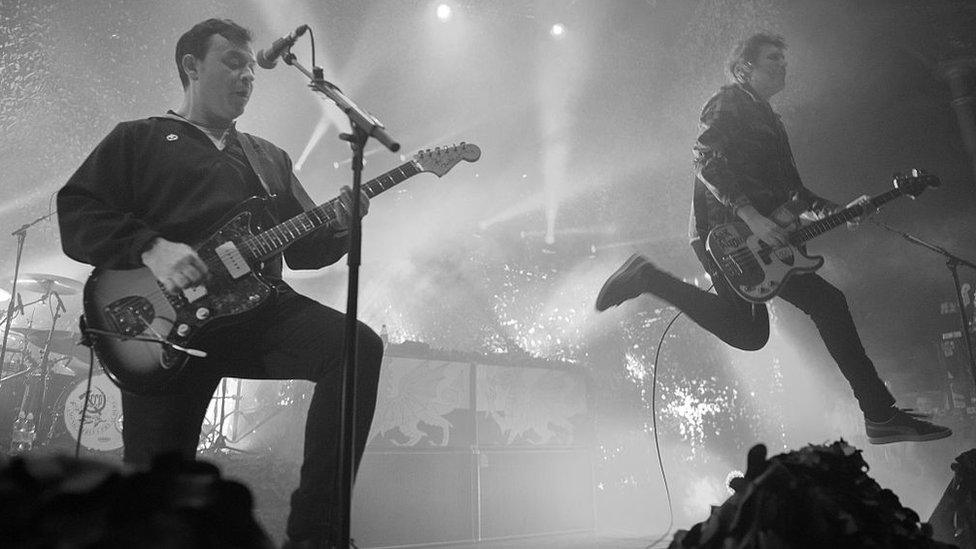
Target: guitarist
{"x":744,"y":169}
{"x":155,"y":186}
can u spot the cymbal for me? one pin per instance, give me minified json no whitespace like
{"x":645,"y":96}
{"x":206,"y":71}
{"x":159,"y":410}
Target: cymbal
{"x":63,"y":342}
{"x":15,"y":340}
{"x":47,"y":283}
{"x":67,"y":365}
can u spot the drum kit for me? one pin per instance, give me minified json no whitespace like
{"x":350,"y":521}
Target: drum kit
{"x":45,"y":371}
{"x":53,"y":394}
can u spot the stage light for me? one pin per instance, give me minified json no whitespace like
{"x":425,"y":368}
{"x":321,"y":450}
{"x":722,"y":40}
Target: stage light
{"x":557,"y":30}
{"x":443,"y":12}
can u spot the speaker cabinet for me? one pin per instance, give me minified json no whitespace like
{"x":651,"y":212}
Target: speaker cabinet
{"x":413,"y":498}
{"x":461,"y":452}
{"x":529,"y":492}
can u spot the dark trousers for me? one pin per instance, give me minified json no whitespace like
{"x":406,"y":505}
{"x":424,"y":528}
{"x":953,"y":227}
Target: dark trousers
{"x":745,"y":325}
{"x":294,"y":337}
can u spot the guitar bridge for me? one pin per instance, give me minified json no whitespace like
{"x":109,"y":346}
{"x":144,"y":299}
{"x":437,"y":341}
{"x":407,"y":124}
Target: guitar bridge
{"x":131,"y":315}
{"x":731,"y":267}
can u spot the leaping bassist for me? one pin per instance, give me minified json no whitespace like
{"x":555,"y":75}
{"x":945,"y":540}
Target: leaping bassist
{"x":745,"y":230}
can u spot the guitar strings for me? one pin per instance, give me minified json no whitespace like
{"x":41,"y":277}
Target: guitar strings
{"x":251,"y":246}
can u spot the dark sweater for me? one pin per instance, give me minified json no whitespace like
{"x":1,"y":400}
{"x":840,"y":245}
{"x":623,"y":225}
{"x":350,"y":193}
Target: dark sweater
{"x":164,"y":177}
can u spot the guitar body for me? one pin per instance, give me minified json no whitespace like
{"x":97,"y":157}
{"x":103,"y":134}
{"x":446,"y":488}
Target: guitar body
{"x":755,"y":271}
{"x":133,"y":305}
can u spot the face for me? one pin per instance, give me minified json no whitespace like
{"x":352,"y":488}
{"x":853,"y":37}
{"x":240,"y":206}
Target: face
{"x":768,"y":75}
{"x":222,"y":81}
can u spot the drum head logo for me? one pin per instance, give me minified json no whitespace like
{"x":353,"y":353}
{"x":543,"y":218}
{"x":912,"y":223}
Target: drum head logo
{"x":96,"y":403}
{"x":101,"y":430}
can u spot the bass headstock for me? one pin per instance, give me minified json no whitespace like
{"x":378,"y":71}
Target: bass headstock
{"x":914,"y":182}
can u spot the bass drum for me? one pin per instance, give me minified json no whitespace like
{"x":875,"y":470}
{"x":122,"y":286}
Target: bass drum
{"x":103,"y":419}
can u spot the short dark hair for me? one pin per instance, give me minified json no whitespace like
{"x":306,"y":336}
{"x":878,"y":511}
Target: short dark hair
{"x":196,"y":41}
{"x":746,"y":52}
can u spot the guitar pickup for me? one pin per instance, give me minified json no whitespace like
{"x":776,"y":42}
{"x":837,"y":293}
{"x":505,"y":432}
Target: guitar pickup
{"x":232,"y":259}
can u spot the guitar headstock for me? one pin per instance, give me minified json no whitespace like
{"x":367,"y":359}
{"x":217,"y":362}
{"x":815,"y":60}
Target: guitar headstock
{"x":440,"y":160}
{"x":914,"y":182}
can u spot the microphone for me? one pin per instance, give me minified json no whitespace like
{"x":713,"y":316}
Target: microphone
{"x":268,"y":58}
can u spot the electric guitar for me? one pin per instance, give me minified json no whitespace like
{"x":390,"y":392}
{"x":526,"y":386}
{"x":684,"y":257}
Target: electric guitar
{"x":144,"y":335}
{"x":757,"y":271}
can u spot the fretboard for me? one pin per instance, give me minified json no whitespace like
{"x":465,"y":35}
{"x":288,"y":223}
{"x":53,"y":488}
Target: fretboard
{"x":272,"y":241}
{"x":833,"y":221}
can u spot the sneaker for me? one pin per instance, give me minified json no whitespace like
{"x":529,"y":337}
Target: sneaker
{"x":904,"y":425}
{"x":624,"y":284}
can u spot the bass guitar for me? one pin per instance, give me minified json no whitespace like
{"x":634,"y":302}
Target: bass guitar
{"x":757,"y":271}
{"x":144,"y":335}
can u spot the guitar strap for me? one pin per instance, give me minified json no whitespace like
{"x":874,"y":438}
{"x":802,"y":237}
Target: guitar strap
{"x":274,"y":179}
{"x":273,"y":185}
{"x":699,"y":204}
{"x":260,"y":168}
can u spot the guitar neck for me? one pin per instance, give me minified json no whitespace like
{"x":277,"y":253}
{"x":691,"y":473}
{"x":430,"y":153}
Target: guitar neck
{"x":833,"y":221}
{"x":274,"y":240}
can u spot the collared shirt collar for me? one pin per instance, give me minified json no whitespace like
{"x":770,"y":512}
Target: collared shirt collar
{"x":218,"y":138}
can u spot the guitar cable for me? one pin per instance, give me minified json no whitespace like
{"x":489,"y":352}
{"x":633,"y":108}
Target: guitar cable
{"x":657,"y":442}
{"x":188,"y":350}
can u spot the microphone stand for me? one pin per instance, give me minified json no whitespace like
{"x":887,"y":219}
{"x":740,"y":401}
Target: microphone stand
{"x":364,"y":126}
{"x":952,"y":263}
{"x":21,"y":235}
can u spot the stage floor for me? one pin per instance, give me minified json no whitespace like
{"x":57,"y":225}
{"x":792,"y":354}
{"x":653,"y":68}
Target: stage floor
{"x":566,"y":541}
